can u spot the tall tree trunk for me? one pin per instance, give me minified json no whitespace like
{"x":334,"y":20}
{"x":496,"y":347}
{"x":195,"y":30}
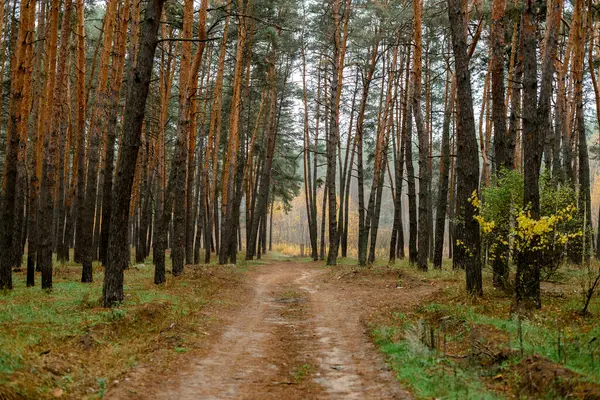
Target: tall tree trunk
{"x":528,"y":272}
{"x":57,"y":131}
{"x":112,"y":291}
{"x":584,"y":196}
{"x":412,"y":191}
{"x":398,"y":158}
{"x":333,"y":137}
{"x":467,"y":162}
{"x":118,"y":64}
{"x":265,"y":178}
{"x":501,"y":152}
{"x":502,"y":159}
{"x":308,"y":182}
{"x":96,"y":131}
{"x":214,"y":136}
{"x":363,"y":230}
{"x":595,"y":76}
{"x":527,"y":283}
{"x":423,"y":137}
{"x":344,"y":167}
{"x":228,"y":230}
{"x":39,"y":113}
{"x":17,"y":122}
{"x":174,"y":202}
{"x":442,"y":204}
{"x":81,"y":135}
{"x":167,"y":72}
{"x":345,"y":177}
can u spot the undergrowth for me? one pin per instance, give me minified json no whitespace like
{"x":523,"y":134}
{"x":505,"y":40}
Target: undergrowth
{"x":426,"y":373}
{"x":62,"y":342}
{"x":454,"y":346}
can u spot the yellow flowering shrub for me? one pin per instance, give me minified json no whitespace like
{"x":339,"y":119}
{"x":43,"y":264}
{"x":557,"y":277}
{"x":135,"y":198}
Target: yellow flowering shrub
{"x":507,"y":228}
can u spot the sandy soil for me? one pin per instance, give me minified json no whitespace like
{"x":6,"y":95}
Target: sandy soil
{"x":298,"y":335}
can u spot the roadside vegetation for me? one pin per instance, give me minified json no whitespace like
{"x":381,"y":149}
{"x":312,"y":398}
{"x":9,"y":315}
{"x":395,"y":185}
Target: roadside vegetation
{"x":454,"y":346}
{"x":63,"y":342}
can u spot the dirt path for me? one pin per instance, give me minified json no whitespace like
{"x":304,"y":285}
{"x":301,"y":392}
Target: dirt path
{"x":297,"y":337}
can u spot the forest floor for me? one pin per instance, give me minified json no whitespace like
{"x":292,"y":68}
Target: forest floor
{"x":289,"y":328}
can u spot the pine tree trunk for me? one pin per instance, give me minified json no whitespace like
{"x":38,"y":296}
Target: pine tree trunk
{"x":345,"y":177}
{"x":308,"y":182}
{"x":595,"y":76}
{"x":96,"y":131}
{"x":467,"y":162}
{"x":118,"y":64}
{"x":442,"y":204}
{"x":17,"y":122}
{"x":51,"y":143}
{"x":377,"y":210}
{"x":19,"y":230}
{"x":527,"y":283}
{"x":398,"y":159}
{"x":363,"y":231}
{"x":265,"y":178}
{"x":333,"y":137}
{"x":133,"y":118}
{"x":81,"y":134}
{"x":323,"y":225}
{"x":39,"y":113}
{"x":228,"y":230}
{"x":423,"y":137}
{"x":412,"y":191}
{"x":213,"y":146}
{"x":528,"y":272}
{"x":584,"y":197}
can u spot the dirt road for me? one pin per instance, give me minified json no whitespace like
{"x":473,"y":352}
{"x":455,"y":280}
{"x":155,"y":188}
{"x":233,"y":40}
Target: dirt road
{"x":298,"y":336}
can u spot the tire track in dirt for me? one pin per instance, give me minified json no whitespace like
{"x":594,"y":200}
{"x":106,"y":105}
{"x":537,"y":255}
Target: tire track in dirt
{"x":297,"y":337}
{"x":351,"y":366}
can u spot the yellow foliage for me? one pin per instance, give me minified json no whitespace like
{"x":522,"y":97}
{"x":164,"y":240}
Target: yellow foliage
{"x":534,"y":234}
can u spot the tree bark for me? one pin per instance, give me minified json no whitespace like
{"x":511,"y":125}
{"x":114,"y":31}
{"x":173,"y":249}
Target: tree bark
{"x":527,"y":282}
{"x":442,"y":204}
{"x":363,"y":230}
{"x":467,"y":162}
{"x":333,"y":137}
{"x":228,"y":225}
{"x":118,"y":64}
{"x":112,"y":291}
{"x":17,"y":122}
{"x":423,"y":138}
{"x":265,"y":178}
{"x":96,"y":131}
{"x":57,"y":130}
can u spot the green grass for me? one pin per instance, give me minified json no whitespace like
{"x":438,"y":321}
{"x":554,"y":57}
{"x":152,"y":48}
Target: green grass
{"x":426,"y":374}
{"x":63,"y":339}
{"x":301,"y":372}
{"x":579,"y":351}
{"x":431,"y":375}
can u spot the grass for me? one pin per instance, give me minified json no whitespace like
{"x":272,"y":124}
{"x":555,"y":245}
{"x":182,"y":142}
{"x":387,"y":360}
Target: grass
{"x":300,"y":373}
{"x":62,"y":340}
{"x":486,"y":347}
{"x":426,"y":373}
{"x":540,"y":333}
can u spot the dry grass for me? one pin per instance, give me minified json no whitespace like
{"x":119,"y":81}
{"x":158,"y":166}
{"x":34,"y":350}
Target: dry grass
{"x":63,"y":344}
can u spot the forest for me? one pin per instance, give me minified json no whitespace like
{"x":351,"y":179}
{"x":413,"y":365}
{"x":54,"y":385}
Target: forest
{"x":182,"y":179}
